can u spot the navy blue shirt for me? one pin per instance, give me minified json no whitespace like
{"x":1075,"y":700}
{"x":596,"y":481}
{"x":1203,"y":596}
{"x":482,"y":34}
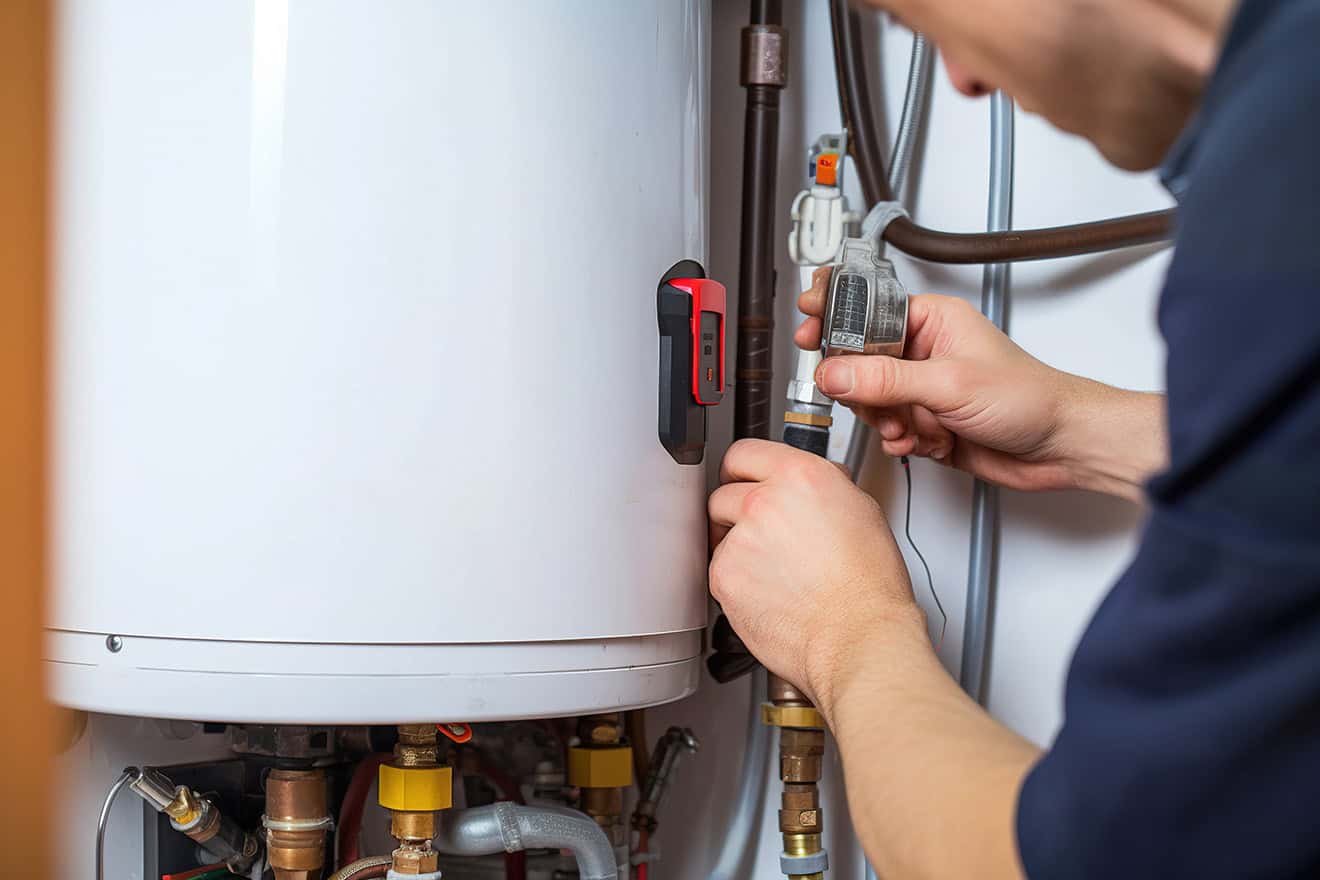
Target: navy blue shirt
{"x":1191,"y":740}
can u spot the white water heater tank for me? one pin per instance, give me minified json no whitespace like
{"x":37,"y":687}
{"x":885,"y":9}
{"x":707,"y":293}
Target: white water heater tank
{"x":355,"y":358}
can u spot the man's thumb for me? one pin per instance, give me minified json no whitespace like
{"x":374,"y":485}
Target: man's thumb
{"x":877,"y":380}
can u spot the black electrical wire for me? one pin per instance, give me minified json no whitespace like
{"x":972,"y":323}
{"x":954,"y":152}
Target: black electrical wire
{"x":907,"y":532}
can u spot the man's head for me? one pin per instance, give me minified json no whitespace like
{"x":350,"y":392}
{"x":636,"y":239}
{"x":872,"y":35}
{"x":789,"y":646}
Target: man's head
{"x":1125,"y":74}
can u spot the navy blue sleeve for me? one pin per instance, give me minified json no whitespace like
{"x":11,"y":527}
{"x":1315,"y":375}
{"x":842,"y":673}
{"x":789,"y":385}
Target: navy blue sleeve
{"x":1191,"y":740}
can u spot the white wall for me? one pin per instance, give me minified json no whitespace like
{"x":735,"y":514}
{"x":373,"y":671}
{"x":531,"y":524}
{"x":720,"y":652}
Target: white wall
{"x":1059,"y":552}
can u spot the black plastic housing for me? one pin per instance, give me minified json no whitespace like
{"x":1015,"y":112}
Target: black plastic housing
{"x":682,"y":423}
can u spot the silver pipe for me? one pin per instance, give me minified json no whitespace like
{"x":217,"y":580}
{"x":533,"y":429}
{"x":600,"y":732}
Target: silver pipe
{"x":129,"y":775}
{"x":745,"y":820}
{"x":981,"y":563}
{"x":508,"y":827}
{"x":921,"y":69}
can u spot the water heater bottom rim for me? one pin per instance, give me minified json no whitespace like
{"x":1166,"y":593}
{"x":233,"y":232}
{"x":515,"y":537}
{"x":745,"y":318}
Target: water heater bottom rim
{"x":367,"y":684}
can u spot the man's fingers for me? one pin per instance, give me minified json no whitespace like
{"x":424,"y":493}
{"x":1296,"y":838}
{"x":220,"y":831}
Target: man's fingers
{"x":757,"y":460}
{"x":726,"y":503}
{"x":807,"y":335}
{"x":877,"y":380}
{"x":934,"y":440}
{"x":812,"y":300}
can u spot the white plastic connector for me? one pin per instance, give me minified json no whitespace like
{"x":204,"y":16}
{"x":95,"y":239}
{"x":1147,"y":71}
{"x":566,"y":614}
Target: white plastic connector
{"x":819,"y":216}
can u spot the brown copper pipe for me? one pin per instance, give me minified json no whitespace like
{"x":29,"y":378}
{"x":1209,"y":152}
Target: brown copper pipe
{"x":960,"y":247}
{"x":756,"y":264}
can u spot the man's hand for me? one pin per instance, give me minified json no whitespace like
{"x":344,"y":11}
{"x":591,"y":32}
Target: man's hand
{"x":965,"y":394}
{"x":805,"y":565}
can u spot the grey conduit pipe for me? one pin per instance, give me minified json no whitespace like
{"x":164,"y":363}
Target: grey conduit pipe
{"x":981,"y":563}
{"x":508,"y":827}
{"x":921,"y":68}
{"x":747,"y":806}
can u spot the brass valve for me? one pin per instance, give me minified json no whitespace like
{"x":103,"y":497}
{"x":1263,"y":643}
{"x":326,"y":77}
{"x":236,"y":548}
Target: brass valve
{"x":414,"y":786}
{"x":601,"y":766}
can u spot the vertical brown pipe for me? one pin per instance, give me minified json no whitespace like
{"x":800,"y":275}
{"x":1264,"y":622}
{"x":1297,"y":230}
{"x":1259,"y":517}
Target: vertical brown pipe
{"x":764,"y":74}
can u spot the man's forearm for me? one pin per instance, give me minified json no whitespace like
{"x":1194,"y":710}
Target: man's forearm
{"x":932,"y":779}
{"x":1115,"y":439}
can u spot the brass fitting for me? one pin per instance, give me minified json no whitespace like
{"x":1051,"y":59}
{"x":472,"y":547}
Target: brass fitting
{"x":791,"y":716}
{"x":414,"y":786}
{"x":297,"y":820}
{"x":601,"y":766}
{"x":801,"y":762}
{"x":220,"y":836}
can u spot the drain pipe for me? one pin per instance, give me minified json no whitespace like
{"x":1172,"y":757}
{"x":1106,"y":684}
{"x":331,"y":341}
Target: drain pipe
{"x":981,"y":563}
{"x":507,"y":827}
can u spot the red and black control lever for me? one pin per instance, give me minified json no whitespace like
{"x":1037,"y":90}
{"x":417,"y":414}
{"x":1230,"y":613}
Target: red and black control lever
{"x":690,"y":309}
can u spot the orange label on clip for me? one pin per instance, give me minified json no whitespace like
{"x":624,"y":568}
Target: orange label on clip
{"x":827,"y":169}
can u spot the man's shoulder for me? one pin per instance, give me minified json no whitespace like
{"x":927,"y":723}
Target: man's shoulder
{"x":1241,"y":308}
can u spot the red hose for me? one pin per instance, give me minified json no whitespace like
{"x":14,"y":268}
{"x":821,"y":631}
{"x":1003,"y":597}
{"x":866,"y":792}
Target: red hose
{"x":354,"y":803}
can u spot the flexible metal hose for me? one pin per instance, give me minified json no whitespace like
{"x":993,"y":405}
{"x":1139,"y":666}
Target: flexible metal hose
{"x":921,"y":66}
{"x":506,"y":827}
{"x":375,"y":866}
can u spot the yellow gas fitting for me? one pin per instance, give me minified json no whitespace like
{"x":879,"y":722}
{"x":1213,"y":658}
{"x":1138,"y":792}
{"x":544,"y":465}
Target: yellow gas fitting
{"x":608,"y":767}
{"x":416,"y":789}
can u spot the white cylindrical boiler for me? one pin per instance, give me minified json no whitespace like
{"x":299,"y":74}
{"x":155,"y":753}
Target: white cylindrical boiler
{"x":355,"y":358}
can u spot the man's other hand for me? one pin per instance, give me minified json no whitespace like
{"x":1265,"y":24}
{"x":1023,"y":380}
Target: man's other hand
{"x":965,"y":394}
{"x":804,"y":564}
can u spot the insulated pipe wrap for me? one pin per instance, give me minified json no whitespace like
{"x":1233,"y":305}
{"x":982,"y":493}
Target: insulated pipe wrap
{"x":506,"y":827}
